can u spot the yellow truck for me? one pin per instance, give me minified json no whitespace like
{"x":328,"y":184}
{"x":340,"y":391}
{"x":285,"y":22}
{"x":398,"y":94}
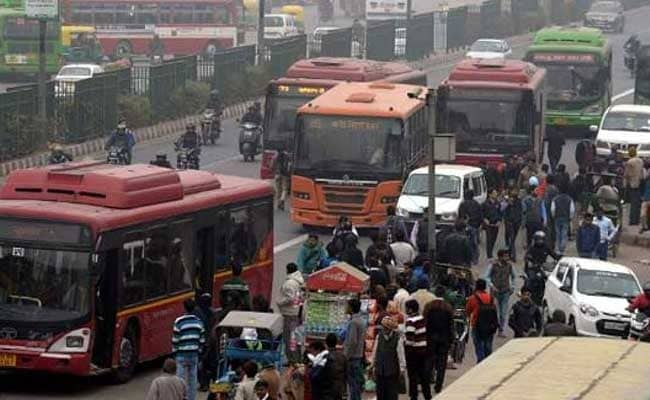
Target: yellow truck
{"x":558,"y":369}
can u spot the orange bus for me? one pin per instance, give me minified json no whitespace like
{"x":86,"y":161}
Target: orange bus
{"x":96,"y":260}
{"x":354,"y":145}
{"x":307,"y":79}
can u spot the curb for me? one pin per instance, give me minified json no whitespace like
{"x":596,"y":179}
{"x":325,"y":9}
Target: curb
{"x":141,"y":135}
{"x":632,"y":239}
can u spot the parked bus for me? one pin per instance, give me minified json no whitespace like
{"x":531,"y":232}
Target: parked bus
{"x":307,"y":79}
{"x":96,"y":260}
{"x":642,"y":77}
{"x":495,"y":108}
{"x":556,"y":368}
{"x":170,"y":26}
{"x":19,"y":43}
{"x":354,"y":146}
{"x":578,"y":62}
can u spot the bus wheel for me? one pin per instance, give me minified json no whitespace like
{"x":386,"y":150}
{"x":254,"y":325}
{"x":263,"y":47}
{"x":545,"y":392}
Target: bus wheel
{"x":128,"y":357}
{"x":211,"y":48}
{"x":123,"y":49}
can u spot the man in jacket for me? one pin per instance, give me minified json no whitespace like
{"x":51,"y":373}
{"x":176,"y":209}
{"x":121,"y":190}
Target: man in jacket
{"x":339,"y":366}
{"x":423,"y":296}
{"x":525,"y":317}
{"x":415,"y":350}
{"x":632,"y":178}
{"x":562,"y":210}
{"x":394,"y":223}
{"x":512,"y":210}
{"x":167,"y":386}
{"x":588,"y":237}
{"x":554,"y":150}
{"x":457,"y":249}
{"x":439,"y":317}
{"x":492,"y":219}
{"x":471,"y":212}
{"x":558,"y":325}
{"x":353,"y":349}
{"x":290,"y":304}
{"x":500,"y":276}
{"x":581,"y":185}
{"x":311,"y":255}
{"x":549,"y":195}
{"x":482,"y":345}
{"x":534,"y":211}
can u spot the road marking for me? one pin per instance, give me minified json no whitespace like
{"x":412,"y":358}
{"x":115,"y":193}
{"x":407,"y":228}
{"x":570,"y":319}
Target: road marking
{"x":621,"y":95}
{"x":289,"y":243}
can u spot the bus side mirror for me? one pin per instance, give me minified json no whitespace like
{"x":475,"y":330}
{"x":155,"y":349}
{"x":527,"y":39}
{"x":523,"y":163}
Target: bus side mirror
{"x":593,"y":128}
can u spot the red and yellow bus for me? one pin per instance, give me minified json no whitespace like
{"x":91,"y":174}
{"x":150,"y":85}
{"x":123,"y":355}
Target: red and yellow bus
{"x":495,"y":108}
{"x":307,"y":79}
{"x":354,"y":145}
{"x":96,"y":260}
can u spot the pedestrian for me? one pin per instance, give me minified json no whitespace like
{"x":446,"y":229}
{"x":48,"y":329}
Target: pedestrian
{"x":607,"y":233}
{"x":549,"y":194}
{"x":351,"y":253}
{"x":588,"y":237}
{"x":422,"y":295}
{"x":379,"y":249}
{"x":457,"y":247}
{"x":378,"y":273}
{"x":471,"y":212}
{"x":512,"y":169}
{"x":282,"y":178}
{"x":262,"y":390}
{"x":402,"y":250}
{"x":562,"y":178}
{"x":167,"y":386}
{"x":188,"y":339}
{"x":290,"y":302}
{"x":420,"y":233}
{"x":354,"y":349}
{"x":246,"y":388}
{"x":235,"y":291}
{"x":500,"y":277}
{"x":393,"y":224}
{"x":387,"y":360}
{"x":512,"y":210}
{"x":491,"y":220}
{"x":526,"y":319}
{"x":484,"y":321}
{"x":542,"y":175}
{"x":344,"y":226}
{"x":558,"y":326}
{"x":207,"y":364}
{"x":563,"y":211}
{"x":493,"y":179}
{"x":646,"y":201}
{"x":527,"y":172}
{"x":402,"y":294}
{"x":554,"y":150}
{"x":415,"y":350}
{"x":321,"y":372}
{"x":311,"y":255}
{"x":439,"y":317}
{"x":632,"y":179}
{"x":339,"y":366}
{"x":534,"y":211}
{"x":271,"y":376}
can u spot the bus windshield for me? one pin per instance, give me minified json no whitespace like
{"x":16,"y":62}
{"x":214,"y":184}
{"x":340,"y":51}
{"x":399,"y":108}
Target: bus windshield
{"x":26,"y":29}
{"x":282,"y":118}
{"x":349,"y":144}
{"x":486,"y":120}
{"x":566,"y":82}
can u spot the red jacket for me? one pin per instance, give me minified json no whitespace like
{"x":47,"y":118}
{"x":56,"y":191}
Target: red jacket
{"x":472,"y":306}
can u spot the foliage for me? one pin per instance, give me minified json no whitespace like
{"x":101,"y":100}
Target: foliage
{"x":135,"y":109}
{"x":189,"y":99}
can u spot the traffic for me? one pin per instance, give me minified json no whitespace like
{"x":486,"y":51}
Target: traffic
{"x":309,"y":272}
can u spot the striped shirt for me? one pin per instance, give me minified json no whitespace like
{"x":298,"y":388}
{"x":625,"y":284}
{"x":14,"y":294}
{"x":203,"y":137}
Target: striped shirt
{"x":189,"y":334}
{"x":416,"y":333}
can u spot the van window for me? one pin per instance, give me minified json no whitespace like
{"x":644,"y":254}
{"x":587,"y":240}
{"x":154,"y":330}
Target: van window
{"x":466,"y":187}
{"x":273,"y":21}
{"x":478,"y":187}
{"x":559,"y":274}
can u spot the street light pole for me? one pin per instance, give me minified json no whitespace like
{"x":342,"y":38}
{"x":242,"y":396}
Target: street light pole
{"x":42,"y":78}
{"x":431,"y":210}
{"x":260,"y":32}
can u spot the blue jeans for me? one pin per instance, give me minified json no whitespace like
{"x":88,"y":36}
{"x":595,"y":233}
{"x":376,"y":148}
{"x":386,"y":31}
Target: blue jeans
{"x":482,"y":347}
{"x":187,"y":366}
{"x":356,"y":379}
{"x":502,"y":299}
{"x":561,"y":235}
{"x":601,"y":250}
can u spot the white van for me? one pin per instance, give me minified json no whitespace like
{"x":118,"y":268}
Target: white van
{"x":622,"y":126}
{"x":452,"y":181}
{"x":278,"y":26}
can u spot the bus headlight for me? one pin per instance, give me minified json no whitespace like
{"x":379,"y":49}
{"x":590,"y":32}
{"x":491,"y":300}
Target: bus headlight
{"x":594,"y":109}
{"x":301,"y":195}
{"x":76,"y":341}
{"x":388,"y":200}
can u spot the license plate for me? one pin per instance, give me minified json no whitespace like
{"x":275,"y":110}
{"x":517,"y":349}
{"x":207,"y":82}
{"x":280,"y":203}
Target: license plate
{"x":15,"y":59}
{"x":560,"y":121}
{"x":7,"y":360}
{"x":615,"y":326}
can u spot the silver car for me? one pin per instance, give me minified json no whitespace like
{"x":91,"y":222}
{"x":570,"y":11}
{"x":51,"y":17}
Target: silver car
{"x":607,"y":16}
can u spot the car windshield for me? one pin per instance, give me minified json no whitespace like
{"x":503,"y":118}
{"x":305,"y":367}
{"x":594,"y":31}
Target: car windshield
{"x":282,"y":118}
{"x":487,"y":46}
{"x":607,"y":284}
{"x":349,"y":145}
{"x":42,"y":284}
{"x":75,"y":71}
{"x":447,"y":186}
{"x":604,"y":7}
{"x":566,"y":82}
{"x":273,"y":22}
{"x":627,"y":121}
{"x":489,"y":120}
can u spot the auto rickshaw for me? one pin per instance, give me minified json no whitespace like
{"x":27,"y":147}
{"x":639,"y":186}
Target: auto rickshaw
{"x":299,"y":14}
{"x":80,"y":44}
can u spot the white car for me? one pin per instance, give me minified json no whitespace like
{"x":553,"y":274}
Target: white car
{"x":490,"y":49}
{"x":621,"y":126}
{"x":593,"y":294}
{"x":278,"y":26}
{"x":452,"y":181}
{"x":71,"y":73}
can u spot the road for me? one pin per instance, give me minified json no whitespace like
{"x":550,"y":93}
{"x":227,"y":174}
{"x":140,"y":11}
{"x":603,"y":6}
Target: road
{"x":224,"y":158}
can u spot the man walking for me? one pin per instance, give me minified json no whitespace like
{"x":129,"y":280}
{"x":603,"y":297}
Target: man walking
{"x":588,"y":237}
{"x":512,"y":210}
{"x":607,"y":233}
{"x":500,"y":277}
{"x":492,"y":219}
{"x":526,"y":319}
{"x":534,"y":211}
{"x":471,"y":212}
{"x":483,"y":318}
{"x":289,"y":304}
{"x":554,"y":150}
{"x":439,"y":317}
{"x":282,"y":178}
{"x":353,"y":349}
{"x":235,"y":290}
{"x":167,"y":386}
{"x":187,"y":341}
{"x":632,"y":178}
{"x":415,"y":350}
{"x":563,"y":210}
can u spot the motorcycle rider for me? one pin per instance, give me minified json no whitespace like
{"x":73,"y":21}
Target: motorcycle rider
{"x":537,"y":254}
{"x":190,"y":140}
{"x":642,"y":301}
{"x":253,"y":115}
{"x":123,"y":138}
{"x":161,"y":161}
{"x":58,"y":156}
{"x":214,"y":102}
{"x":632,"y":44}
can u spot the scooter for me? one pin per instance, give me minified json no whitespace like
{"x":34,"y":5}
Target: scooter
{"x":210,"y":126}
{"x":249,"y":140}
{"x":187,"y":158}
{"x":117,"y":156}
{"x":535,"y":279}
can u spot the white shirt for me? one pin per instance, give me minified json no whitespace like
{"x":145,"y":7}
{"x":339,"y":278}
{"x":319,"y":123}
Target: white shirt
{"x":403,"y":252}
{"x":400,"y":299}
{"x":607,"y":228}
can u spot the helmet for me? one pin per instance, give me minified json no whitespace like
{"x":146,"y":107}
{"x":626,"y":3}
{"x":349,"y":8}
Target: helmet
{"x":121,"y":124}
{"x":539,"y":237}
{"x":533,"y":181}
{"x":646,"y":287}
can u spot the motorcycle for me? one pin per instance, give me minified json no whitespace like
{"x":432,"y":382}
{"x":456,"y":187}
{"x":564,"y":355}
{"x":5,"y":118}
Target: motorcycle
{"x":629,"y":59}
{"x":210,"y":126}
{"x":187,"y":158}
{"x":640,"y":327}
{"x":117,"y":156}
{"x":535,"y":279}
{"x":461,"y":337}
{"x":249,"y":138}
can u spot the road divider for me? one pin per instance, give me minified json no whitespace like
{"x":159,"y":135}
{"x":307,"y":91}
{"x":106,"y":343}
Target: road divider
{"x":289,"y":243}
{"x":622,"y":94}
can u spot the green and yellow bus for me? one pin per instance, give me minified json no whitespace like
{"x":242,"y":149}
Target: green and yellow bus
{"x":19,"y":43}
{"x":578,"y":62}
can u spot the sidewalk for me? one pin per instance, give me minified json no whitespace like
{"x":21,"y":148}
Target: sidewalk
{"x":630,"y":234}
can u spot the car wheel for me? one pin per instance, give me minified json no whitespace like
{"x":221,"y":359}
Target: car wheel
{"x":572,"y":324}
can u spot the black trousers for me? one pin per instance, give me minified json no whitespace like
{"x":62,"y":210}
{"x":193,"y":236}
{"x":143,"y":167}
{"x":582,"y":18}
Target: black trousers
{"x":419,"y":372}
{"x":634,"y":196}
{"x":531,"y":228}
{"x":491,"y":234}
{"x":438,"y":357}
{"x":387,"y":387}
{"x":512,"y":229}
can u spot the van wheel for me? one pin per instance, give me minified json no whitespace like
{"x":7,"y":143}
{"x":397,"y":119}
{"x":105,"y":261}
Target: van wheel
{"x":572,"y":324}
{"x":128,"y":357}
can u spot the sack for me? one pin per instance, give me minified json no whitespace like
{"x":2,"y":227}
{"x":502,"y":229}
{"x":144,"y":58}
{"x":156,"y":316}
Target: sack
{"x":487,"y":321}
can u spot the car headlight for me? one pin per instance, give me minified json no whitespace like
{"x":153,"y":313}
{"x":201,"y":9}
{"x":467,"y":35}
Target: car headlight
{"x":602,"y":144}
{"x":589,"y":310}
{"x":401,"y":212}
{"x":594,"y":109}
{"x":447,"y":217}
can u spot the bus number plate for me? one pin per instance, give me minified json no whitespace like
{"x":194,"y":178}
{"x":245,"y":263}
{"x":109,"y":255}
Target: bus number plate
{"x":560,"y":121}
{"x":7,"y":360}
{"x":15,"y":59}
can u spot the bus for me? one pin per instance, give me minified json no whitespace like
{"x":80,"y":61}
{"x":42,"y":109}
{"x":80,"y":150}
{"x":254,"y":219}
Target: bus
{"x":96,"y":260}
{"x":379,"y":10}
{"x":578,"y":62}
{"x":495,"y":108}
{"x":79,"y":44}
{"x":173,"y":27}
{"x":354,"y":146}
{"x":556,"y":368}
{"x":19,"y":43}
{"x":307,"y":79}
{"x":642,"y":77}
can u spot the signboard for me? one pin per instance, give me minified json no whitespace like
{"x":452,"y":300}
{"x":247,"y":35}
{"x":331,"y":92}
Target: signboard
{"x":456,"y":93}
{"x":340,"y":277}
{"x":563,"y":58}
{"x":336,"y":123}
{"x":444,"y":147}
{"x":42,"y":9}
{"x":296,"y":90}
{"x":50,"y":232}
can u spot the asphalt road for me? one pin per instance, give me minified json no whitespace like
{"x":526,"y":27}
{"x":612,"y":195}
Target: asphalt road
{"x":224,"y":158}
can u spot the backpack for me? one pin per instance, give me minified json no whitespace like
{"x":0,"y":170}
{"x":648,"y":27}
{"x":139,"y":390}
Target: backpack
{"x":532,"y":209}
{"x":388,"y":230}
{"x":487,"y":321}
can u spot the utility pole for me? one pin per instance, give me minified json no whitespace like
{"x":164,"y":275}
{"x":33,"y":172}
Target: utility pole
{"x":431,"y":210}
{"x":260,"y":32}
{"x":42,"y":77}
{"x":409,"y":4}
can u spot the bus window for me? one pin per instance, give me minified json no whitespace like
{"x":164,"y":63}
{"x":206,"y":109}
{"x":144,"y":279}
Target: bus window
{"x":125,"y":14}
{"x":132,"y":277}
{"x":250,"y":227}
{"x":181,"y":266}
{"x":221,"y":247}
{"x":222,"y":15}
{"x":145,"y":267}
{"x":146,"y":13}
{"x":166,"y":14}
{"x":183,"y":14}
{"x":104,"y":14}
{"x":204,"y":13}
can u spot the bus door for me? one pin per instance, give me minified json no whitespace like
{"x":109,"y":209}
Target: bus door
{"x":106,"y":307}
{"x":205,"y":251}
